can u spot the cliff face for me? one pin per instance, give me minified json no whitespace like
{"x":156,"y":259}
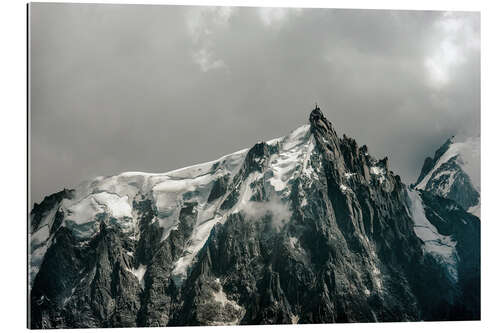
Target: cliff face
{"x":308,"y":228}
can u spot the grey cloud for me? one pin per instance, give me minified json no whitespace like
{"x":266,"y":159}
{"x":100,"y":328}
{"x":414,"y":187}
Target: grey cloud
{"x":120,"y":87}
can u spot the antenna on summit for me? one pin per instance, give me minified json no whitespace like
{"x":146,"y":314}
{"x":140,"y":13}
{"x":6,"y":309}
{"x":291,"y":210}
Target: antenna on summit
{"x":316,"y":113}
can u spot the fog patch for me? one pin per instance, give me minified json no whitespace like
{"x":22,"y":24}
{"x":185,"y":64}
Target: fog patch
{"x":278,"y":211}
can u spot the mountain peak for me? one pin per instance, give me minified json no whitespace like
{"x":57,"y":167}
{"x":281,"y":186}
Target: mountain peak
{"x":430,"y":162}
{"x":453,"y":173}
{"x":320,"y":123}
{"x":199,"y":245}
{"x":316,"y":114}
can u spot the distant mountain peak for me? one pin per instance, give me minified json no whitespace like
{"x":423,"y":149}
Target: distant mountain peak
{"x":453,"y":173}
{"x":429,"y":162}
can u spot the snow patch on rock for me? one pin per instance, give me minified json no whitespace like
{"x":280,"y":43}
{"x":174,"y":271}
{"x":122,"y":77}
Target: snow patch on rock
{"x":442,"y":248}
{"x":469,"y":153}
{"x":40,"y":241}
{"x":475,"y":210}
{"x":379,"y":173}
{"x":139,"y":273}
{"x":221,"y":297}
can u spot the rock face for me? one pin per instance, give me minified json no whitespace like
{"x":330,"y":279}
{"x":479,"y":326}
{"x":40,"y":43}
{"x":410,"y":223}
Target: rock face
{"x":308,"y":228}
{"x":453,"y":173}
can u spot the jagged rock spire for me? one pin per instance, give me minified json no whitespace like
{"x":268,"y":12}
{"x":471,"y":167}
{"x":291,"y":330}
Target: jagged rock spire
{"x":315,"y":114}
{"x":320,"y":123}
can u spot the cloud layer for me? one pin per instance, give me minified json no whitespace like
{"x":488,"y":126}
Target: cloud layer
{"x":153,"y":88}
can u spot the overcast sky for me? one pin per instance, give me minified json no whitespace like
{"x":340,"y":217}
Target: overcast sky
{"x":153,"y":88}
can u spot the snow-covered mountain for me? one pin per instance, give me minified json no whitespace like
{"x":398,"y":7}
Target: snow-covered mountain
{"x":454,"y":173}
{"x":306,"y":228}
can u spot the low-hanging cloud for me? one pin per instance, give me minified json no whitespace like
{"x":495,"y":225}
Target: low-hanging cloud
{"x":152,"y":88}
{"x":278,"y":211}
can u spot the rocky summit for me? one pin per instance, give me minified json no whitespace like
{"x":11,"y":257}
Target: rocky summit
{"x":306,"y":228}
{"x":454,"y":173}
